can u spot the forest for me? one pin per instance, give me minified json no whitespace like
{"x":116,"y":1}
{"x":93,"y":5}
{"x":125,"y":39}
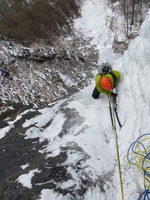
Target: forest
{"x":132,"y":11}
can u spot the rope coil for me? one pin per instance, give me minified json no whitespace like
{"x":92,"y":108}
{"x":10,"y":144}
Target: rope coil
{"x":138,"y":155}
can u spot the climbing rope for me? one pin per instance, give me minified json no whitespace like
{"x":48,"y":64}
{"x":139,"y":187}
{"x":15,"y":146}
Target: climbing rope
{"x":138,"y":155}
{"x":113,"y":120}
{"x":116,"y":113}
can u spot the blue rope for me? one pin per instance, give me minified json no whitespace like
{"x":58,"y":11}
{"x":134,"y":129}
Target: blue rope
{"x":145,"y":195}
{"x":145,"y":158}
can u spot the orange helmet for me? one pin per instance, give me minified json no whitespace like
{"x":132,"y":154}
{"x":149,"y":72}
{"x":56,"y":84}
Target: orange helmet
{"x":106,"y":83}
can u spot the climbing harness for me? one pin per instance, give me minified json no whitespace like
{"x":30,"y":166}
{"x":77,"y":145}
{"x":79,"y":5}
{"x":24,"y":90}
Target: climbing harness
{"x":113,"y":120}
{"x":138,"y":155}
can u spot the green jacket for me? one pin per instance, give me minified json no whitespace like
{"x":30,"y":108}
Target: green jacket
{"x":98,"y":77}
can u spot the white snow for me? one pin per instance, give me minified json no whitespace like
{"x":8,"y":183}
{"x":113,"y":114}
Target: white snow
{"x":66,"y":79}
{"x":94,"y":24}
{"x":24,"y":166}
{"x":50,"y":195}
{"x":25,"y":179}
{"x":91,"y":129}
{"x":5,"y":130}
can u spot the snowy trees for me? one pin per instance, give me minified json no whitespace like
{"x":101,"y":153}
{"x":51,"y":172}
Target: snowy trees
{"x":132,"y":9}
{"x":133,"y":12}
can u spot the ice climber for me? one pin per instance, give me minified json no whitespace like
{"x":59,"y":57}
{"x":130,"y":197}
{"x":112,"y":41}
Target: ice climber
{"x":106,"y":81}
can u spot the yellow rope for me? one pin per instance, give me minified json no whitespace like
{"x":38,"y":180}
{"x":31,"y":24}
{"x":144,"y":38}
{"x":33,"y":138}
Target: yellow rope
{"x":117,"y":149}
{"x":141,"y":159}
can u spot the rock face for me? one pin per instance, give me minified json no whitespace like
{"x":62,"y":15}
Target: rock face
{"x":58,"y":161}
{"x":40,"y":74}
{"x":32,"y":77}
{"x":121,"y":45}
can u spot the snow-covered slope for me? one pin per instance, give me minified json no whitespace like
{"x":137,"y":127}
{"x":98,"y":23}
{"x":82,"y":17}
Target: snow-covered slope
{"x":94,"y":24}
{"x":88,"y":133}
{"x":66,"y":151}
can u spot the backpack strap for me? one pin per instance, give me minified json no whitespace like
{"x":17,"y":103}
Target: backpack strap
{"x":114,"y":77}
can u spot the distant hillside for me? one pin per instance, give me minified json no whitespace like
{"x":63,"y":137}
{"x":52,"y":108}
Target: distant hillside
{"x":37,"y":19}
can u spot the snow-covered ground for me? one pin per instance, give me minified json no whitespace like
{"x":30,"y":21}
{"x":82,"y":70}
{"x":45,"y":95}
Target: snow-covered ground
{"x":94,"y":23}
{"x":81,"y":125}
